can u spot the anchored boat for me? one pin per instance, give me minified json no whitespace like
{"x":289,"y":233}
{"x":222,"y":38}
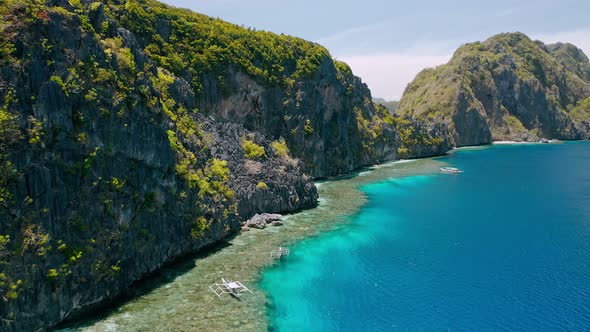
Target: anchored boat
{"x":233,"y":288}
{"x":450,"y":170}
{"x":279,"y":253}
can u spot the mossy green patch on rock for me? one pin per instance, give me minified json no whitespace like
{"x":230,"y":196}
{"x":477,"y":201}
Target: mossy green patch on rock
{"x":581,"y":112}
{"x":252,"y":150}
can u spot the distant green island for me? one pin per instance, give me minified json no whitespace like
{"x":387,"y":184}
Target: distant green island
{"x":391,"y":105}
{"x":508,"y":87}
{"x":133,"y":133}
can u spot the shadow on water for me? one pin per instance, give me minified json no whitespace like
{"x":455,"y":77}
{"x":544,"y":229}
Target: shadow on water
{"x":165,"y":275}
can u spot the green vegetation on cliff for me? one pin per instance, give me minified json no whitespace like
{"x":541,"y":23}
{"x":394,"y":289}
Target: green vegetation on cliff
{"x":119,"y":150}
{"x":252,"y":150}
{"x":581,"y":112}
{"x":280,"y":148}
{"x":572,"y":58}
{"x":184,"y":42}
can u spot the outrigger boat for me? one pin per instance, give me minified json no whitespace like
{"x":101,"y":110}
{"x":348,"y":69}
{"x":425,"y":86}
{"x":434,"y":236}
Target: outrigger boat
{"x":279,"y":253}
{"x":233,"y":288}
{"x":450,"y":170}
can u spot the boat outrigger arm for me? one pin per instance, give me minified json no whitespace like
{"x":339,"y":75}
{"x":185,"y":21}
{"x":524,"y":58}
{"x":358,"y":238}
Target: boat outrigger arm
{"x":233,"y":288}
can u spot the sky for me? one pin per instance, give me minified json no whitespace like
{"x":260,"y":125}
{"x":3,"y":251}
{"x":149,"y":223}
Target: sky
{"x":387,"y":42}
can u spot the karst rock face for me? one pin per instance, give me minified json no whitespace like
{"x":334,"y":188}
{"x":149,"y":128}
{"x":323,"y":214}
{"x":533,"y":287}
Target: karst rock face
{"x":132,"y":133}
{"x":506,"y":88}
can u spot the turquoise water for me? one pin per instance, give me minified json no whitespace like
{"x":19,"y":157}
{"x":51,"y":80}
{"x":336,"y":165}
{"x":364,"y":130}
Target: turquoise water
{"x":503,"y":246}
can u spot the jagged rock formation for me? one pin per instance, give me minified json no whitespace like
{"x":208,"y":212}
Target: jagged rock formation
{"x":328,"y":121}
{"x":132,"y":133}
{"x":506,"y":88}
{"x":421,"y":139}
{"x":572,"y":58}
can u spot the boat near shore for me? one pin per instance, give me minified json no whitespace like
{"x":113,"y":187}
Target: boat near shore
{"x":450,"y":170}
{"x":233,"y":288}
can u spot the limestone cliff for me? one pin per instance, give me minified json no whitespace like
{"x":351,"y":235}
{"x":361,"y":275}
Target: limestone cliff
{"x":506,"y":88}
{"x":132,"y":133}
{"x":572,"y":58}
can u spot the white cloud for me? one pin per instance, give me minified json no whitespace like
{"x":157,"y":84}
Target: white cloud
{"x":350,"y":33}
{"x":580,"y":38}
{"x":508,"y":12}
{"x":388,"y":74}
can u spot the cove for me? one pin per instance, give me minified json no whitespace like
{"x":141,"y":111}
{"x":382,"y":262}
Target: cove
{"x":178,"y":298}
{"x":503,"y":246}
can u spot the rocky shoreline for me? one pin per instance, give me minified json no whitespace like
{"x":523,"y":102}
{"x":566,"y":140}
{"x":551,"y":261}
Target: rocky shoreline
{"x":242,"y":258}
{"x":260,"y":221}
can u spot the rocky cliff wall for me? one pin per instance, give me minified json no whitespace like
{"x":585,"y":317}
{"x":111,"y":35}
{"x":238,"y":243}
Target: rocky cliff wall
{"x":121,"y":147}
{"x":321,"y":118}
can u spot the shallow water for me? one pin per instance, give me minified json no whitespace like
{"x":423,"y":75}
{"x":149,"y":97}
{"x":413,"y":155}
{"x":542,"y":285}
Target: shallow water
{"x":503,"y":246}
{"x":178,"y":298}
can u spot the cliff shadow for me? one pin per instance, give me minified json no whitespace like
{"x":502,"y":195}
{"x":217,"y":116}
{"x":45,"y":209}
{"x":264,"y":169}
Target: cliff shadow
{"x":159,"y":278}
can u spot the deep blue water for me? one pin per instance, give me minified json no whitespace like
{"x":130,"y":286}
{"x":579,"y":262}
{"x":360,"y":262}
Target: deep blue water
{"x":504,"y":246}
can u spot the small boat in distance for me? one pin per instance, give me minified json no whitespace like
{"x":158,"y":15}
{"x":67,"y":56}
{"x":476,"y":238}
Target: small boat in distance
{"x":450,"y":170}
{"x":279,"y":253}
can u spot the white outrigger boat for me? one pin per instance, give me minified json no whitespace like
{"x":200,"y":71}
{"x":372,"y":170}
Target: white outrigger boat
{"x":450,"y":170}
{"x":233,"y":288}
{"x":279,"y":253}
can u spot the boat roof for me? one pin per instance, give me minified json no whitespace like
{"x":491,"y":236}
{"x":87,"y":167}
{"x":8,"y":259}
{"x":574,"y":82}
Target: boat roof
{"x":233,"y":284}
